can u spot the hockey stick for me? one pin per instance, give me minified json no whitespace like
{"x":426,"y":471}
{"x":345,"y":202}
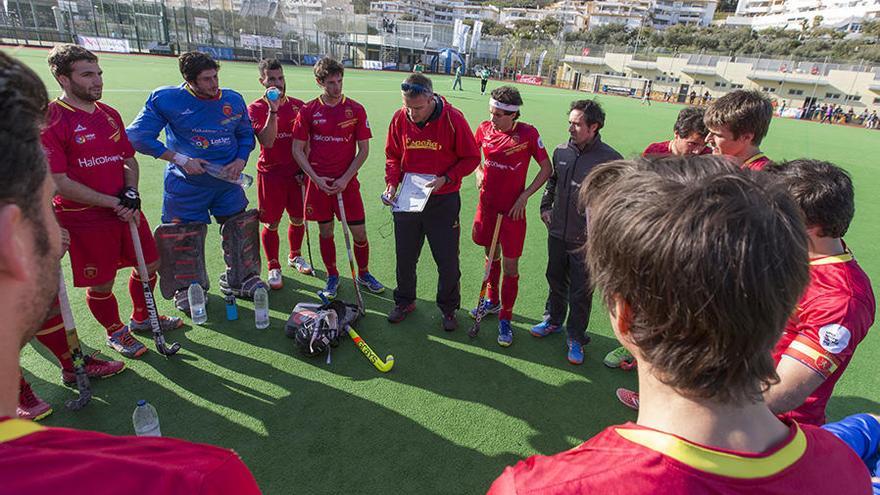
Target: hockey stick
{"x":383,"y":366}
{"x":360,"y":299}
{"x":302,"y":187}
{"x":491,"y":257}
{"x":76,"y":355}
{"x":144,"y":275}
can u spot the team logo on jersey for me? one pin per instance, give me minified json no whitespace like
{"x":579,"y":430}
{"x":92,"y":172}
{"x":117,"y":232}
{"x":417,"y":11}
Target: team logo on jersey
{"x":540,"y":143}
{"x":79,"y":128}
{"x":227,"y":109}
{"x":422,"y":144}
{"x":367,"y":123}
{"x":201,"y":142}
{"x":348,"y":113}
{"x":83,"y":138}
{"x":90,"y":271}
{"x":186,"y":112}
{"x":514,"y":138}
{"x":834,"y":338}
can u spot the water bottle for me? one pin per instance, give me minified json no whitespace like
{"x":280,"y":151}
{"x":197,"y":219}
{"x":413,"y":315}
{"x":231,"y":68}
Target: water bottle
{"x":261,"y":308}
{"x":197,"y":304}
{"x":216,"y":171}
{"x":273,"y":94}
{"x":231,"y":308}
{"x":146,"y":420}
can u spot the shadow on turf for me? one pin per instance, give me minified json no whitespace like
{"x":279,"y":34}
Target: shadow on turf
{"x":840,"y":407}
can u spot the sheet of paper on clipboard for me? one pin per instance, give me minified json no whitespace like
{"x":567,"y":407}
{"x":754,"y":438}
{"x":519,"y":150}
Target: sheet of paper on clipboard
{"x":412,"y":195}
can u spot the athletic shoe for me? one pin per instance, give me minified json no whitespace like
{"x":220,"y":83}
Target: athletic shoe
{"x":30,"y":406}
{"x":449,"y":321}
{"x":329,"y":290}
{"x":123,"y":342}
{"x":166,"y":324}
{"x":575,"y":352}
{"x":367,"y":280}
{"x":95,"y":368}
{"x":628,"y":398}
{"x":398,"y":314}
{"x":544,"y":329}
{"x":301,"y":265}
{"x":487,"y":307}
{"x":505,"y":333}
{"x":275,"y":280}
{"x":617,"y":357}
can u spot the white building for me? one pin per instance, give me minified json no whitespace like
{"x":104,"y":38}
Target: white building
{"x":632,"y":13}
{"x":571,"y":13}
{"x":692,"y":12}
{"x":846,"y":15}
{"x":438,"y":11}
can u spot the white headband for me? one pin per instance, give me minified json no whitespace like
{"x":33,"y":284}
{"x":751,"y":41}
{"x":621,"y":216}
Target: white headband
{"x":503,"y":106}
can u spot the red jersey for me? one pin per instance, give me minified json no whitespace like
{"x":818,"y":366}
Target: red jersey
{"x":91,"y":149}
{"x":831,"y":319}
{"x":664,"y":148}
{"x":332,"y":134}
{"x":629,"y":459}
{"x":278,"y":159}
{"x":758,"y":162}
{"x":506,"y":162}
{"x":443,"y":146}
{"x":36,"y":459}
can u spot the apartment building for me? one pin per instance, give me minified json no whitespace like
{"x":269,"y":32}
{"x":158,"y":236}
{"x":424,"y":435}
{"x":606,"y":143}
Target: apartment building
{"x":846,"y":15}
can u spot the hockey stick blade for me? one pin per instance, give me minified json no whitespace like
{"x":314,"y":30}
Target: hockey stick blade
{"x":383,"y":366}
{"x":79,"y":363}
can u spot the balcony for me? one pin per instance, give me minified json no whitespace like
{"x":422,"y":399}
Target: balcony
{"x":699,"y":70}
{"x":577,"y":59}
{"x":641,"y":65}
{"x":776,"y":76}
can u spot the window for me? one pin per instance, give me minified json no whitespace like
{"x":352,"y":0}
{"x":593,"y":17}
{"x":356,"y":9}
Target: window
{"x":698,"y":82}
{"x":719,"y":84}
{"x":736,"y":86}
{"x":796,"y":92}
{"x":877,"y":100}
{"x":832,"y":95}
{"x":853,"y":98}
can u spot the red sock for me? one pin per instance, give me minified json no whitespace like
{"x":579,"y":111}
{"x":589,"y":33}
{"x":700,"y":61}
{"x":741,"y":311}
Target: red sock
{"x":53,"y":336}
{"x":328,"y":254}
{"x":509,"y":289}
{"x":362,"y":256}
{"x":138,"y":301}
{"x":494,"y":277}
{"x":270,"y":240}
{"x":295,"y":233}
{"x":22,"y":383}
{"x":105,"y":309}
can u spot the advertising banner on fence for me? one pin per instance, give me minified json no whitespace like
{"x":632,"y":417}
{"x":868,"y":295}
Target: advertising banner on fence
{"x":526,"y":79}
{"x":372,"y":64}
{"x":96,"y":44}
{"x":251,"y":41}
{"x":218,"y":52}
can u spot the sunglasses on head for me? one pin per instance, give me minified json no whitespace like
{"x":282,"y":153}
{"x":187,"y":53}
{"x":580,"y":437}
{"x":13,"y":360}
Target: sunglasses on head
{"x":414,"y":88}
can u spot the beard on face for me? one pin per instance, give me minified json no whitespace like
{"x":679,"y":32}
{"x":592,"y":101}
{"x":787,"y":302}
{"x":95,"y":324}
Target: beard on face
{"x":37,"y":302}
{"x":84,"y":93}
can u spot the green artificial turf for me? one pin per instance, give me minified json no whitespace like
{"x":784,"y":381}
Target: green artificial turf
{"x":452,"y":413}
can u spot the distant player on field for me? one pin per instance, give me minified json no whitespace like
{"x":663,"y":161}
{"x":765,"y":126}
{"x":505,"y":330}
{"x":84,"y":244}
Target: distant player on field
{"x":35,"y":459}
{"x":96,"y":173}
{"x":484,"y":79}
{"x":703,"y":426}
{"x":737,"y":123}
{"x":335,"y":131}
{"x":508,"y":146}
{"x":208,"y":138}
{"x":837,"y":309}
{"x":689,"y":136}
{"x":279,"y":186}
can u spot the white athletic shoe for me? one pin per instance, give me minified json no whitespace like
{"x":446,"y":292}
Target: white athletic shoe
{"x":275,"y":280}
{"x":301,"y":265}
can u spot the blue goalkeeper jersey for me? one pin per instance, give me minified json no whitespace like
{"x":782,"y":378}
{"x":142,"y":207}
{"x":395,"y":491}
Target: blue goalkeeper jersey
{"x":217,"y":130}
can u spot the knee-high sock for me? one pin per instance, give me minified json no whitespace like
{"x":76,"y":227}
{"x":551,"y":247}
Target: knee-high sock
{"x":328,"y":254}
{"x":362,"y":256}
{"x":269,"y":236}
{"x":492,"y":292}
{"x":509,"y":289}
{"x":295,"y":234}
{"x":53,"y":336}
{"x":138,"y":301}
{"x":105,"y":309}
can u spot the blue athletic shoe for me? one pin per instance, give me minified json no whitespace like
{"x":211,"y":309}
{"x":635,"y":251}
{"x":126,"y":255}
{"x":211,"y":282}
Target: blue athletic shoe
{"x":369,"y":281}
{"x":329,"y":291}
{"x":575,"y":352}
{"x":505,"y":333}
{"x":545,"y":328}
{"x":487,"y":307}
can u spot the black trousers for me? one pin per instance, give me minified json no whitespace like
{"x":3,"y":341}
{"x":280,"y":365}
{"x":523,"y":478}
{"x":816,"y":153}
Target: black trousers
{"x":483,"y":85}
{"x":570,"y":288}
{"x":438,"y":222}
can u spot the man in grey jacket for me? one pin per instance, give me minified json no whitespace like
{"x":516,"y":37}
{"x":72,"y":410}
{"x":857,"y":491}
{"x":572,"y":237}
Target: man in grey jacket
{"x":567,"y":274}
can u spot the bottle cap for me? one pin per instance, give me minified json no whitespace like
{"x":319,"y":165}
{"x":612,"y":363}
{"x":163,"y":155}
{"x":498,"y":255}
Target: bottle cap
{"x":273,"y":94}
{"x":142,"y":402}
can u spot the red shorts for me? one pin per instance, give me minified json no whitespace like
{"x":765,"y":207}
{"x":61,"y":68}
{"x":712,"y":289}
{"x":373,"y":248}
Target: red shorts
{"x":511,"y":237}
{"x":97,"y":251}
{"x":322,"y":207}
{"x":275,"y":194}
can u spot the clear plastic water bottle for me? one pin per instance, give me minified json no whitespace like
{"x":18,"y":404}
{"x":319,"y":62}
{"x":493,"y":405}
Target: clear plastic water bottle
{"x":197,"y":304}
{"x":261,"y":308}
{"x":216,"y":171}
{"x":231,"y":308}
{"x":273,"y":93}
{"x":146,"y":420}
